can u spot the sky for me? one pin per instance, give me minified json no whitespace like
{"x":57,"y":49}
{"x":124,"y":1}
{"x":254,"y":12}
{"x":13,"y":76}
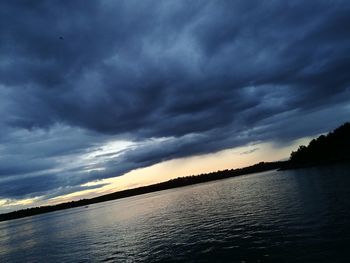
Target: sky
{"x":98,"y":96}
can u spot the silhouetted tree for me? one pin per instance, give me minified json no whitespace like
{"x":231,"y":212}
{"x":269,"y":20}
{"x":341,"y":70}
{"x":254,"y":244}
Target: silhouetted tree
{"x":333,"y":147}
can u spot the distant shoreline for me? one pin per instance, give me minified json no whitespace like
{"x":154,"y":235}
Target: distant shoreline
{"x":334,"y":148}
{"x":174,"y":183}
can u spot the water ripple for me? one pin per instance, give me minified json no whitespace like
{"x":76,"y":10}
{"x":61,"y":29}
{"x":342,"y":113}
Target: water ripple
{"x":269,"y":217}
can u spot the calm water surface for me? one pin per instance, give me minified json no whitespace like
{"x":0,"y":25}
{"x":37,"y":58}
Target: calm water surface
{"x":291,"y":216}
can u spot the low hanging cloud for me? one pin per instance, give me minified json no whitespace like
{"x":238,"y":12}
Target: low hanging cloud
{"x":171,"y":78}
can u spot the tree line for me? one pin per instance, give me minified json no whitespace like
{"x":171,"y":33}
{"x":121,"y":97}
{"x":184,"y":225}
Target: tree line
{"x":330,"y":148}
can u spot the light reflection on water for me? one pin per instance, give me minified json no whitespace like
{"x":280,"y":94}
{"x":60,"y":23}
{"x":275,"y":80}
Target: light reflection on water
{"x":291,"y":216}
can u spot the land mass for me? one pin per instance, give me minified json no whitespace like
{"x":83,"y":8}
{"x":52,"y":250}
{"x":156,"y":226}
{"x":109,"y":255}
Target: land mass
{"x":331,"y":148}
{"x":178,"y":182}
{"x":326,"y":149}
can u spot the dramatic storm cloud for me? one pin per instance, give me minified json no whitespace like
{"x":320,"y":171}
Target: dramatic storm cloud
{"x":94,"y":89}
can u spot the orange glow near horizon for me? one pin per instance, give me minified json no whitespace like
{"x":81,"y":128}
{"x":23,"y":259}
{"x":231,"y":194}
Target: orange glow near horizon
{"x":164,"y":171}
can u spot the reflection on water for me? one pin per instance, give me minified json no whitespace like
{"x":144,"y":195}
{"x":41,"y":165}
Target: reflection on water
{"x":291,"y":216}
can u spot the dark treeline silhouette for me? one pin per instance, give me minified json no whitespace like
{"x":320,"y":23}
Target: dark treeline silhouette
{"x":178,"y":182}
{"x":331,"y":148}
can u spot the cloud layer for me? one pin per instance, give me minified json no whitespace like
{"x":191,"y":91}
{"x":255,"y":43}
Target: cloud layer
{"x":171,"y":78}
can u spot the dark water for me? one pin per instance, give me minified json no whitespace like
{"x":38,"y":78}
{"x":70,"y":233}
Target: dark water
{"x":291,"y":216}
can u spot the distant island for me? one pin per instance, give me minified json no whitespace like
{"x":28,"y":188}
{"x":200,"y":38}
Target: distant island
{"x":331,"y":148}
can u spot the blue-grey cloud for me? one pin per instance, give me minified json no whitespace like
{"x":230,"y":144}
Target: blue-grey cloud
{"x":202,"y":75}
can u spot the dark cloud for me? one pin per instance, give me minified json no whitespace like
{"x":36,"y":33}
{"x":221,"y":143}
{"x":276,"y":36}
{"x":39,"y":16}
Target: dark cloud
{"x":175,"y":77}
{"x":250,"y":151}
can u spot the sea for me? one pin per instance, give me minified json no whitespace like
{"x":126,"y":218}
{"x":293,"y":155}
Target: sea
{"x":298,"y":215}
